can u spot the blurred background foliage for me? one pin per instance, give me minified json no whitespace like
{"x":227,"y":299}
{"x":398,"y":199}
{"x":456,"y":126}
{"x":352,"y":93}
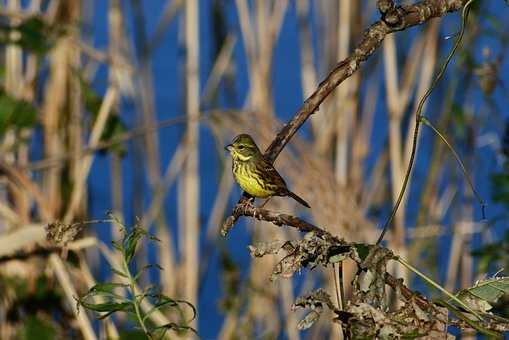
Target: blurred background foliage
{"x":125,"y":106}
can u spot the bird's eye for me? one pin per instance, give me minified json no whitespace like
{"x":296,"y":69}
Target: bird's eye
{"x":241,"y":147}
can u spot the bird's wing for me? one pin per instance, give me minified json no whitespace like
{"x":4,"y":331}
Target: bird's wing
{"x":272,"y":177}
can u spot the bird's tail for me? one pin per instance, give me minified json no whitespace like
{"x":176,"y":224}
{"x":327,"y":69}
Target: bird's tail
{"x":298,"y":199}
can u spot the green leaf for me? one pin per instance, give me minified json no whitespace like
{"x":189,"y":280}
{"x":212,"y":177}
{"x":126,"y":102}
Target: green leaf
{"x":146,"y":267}
{"x":107,"y":290}
{"x":500,"y":184}
{"x":118,"y":272}
{"x":15,"y":113}
{"x":485,"y":292}
{"x":362,"y":250}
{"x":106,"y":287}
{"x":131,"y":241}
{"x":109,"y":307}
{"x":117,"y":246}
{"x":132,"y":334}
{"x":460,"y":315}
{"x":35,"y":328}
{"x":35,"y":35}
{"x":165,"y":301}
{"x":160,"y":331}
{"x":114,"y":126}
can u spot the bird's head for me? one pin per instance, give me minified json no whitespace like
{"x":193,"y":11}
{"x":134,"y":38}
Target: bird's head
{"x":243,"y":148}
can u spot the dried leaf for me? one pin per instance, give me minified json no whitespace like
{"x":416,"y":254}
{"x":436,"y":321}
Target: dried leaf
{"x":485,"y":292}
{"x":308,"y":320}
{"x":265,"y":248}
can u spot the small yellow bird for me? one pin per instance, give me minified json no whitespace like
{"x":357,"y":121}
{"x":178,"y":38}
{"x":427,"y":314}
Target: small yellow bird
{"x":254,"y":173}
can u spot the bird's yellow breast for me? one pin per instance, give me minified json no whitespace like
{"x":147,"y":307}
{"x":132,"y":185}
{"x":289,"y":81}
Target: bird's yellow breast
{"x":249,"y":183}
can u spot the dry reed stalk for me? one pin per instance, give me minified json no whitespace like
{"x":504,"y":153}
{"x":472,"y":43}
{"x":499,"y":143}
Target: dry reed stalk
{"x":190,"y":207}
{"x":117,"y":192}
{"x":21,"y":238}
{"x":150,"y":152}
{"x":361,"y":143}
{"x":460,"y":258}
{"x":221,"y":65}
{"x":86,"y":162}
{"x":433,"y":207}
{"x":248,"y":35}
{"x":220,"y":204}
{"x":174,"y":167}
{"x":146,"y":90}
{"x":287,"y":299}
{"x":274,"y":24}
{"x":308,"y":71}
{"x":53,"y":103}
{"x":343,"y":96}
{"x":116,"y":50}
{"x":13,"y":57}
{"x":398,"y":100}
{"x":13,"y":85}
{"x":7,"y":214}
{"x":395,"y":117}
{"x":170,"y":11}
{"x":230,"y":327}
{"x":327,"y":50}
{"x":70,"y":292}
{"x":153,"y":214}
{"x":21,"y":180}
{"x":429,"y":58}
{"x":75,"y":139}
{"x":88,"y":278}
{"x":345,"y":108}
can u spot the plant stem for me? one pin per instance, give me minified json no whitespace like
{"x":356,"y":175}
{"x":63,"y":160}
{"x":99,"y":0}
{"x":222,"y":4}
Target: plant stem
{"x":136,"y":302}
{"x":339,"y":292}
{"x":437,"y":286}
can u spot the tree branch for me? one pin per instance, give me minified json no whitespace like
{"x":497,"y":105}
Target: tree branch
{"x":246,"y":208}
{"x":402,"y":17}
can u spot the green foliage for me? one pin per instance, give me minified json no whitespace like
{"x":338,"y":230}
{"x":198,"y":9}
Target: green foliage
{"x":500,"y":181}
{"x":485,"y":292}
{"x":36,"y":328}
{"x":114,"y":125}
{"x":496,"y":253}
{"x":33,"y":34}
{"x":15,"y":114}
{"x":112,"y":300}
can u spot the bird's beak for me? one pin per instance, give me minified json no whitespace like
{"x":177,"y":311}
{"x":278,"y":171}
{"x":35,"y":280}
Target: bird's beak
{"x":229,"y":147}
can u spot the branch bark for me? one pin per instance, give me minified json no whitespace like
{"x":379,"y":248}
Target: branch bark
{"x":402,"y":17}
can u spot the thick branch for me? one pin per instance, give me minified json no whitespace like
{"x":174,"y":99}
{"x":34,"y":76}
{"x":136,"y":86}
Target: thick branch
{"x":245,"y":208}
{"x":401,"y":18}
{"x":409,"y":15}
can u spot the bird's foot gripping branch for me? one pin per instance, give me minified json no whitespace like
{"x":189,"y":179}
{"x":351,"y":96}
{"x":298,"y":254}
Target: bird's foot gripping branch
{"x":245,"y":207}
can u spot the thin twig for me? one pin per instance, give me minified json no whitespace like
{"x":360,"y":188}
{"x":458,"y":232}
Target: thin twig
{"x":409,"y":15}
{"x":460,"y":163}
{"x":418,"y":120}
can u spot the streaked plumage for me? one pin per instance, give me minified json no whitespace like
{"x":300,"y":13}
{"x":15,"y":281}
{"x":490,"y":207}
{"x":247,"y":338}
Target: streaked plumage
{"x":254,"y":173}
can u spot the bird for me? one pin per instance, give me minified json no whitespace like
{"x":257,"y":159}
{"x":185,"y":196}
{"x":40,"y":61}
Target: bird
{"x":254,"y":173}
